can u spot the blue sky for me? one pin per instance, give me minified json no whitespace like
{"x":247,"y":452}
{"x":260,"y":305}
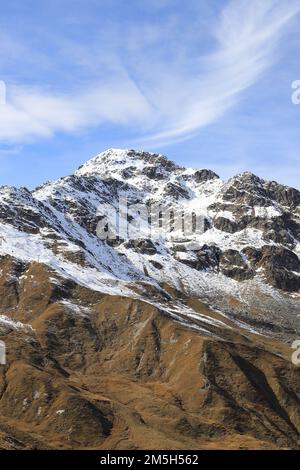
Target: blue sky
{"x":208,"y":83}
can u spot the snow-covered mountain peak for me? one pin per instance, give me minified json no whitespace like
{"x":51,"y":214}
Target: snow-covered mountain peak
{"x":153,"y":174}
{"x":250,"y":237}
{"x":115,"y":162}
{"x":246,"y":177}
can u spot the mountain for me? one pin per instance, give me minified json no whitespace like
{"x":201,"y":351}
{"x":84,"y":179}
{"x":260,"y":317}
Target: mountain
{"x":157,"y":335}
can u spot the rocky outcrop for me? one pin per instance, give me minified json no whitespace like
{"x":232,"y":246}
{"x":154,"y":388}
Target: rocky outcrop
{"x":287,"y":196}
{"x":202,"y":176}
{"x":146,"y":247}
{"x":226,"y":225}
{"x":281,"y":267}
{"x":176,"y":191}
{"x":208,"y":257}
{"x":233,"y":265}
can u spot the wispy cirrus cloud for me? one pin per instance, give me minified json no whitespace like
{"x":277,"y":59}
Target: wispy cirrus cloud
{"x":31,"y":113}
{"x":247,"y":35}
{"x":159,"y":85}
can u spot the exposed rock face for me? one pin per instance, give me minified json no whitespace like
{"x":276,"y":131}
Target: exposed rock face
{"x":146,"y":247}
{"x":202,"y":176}
{"x":233,"y":265}
{"x":282,"y":267}
{"x":208,"y":257}
{"x":178,"y":341}
{"x":176,"y":191}
{"x":286,"y":196}
{"x":226,"y":225}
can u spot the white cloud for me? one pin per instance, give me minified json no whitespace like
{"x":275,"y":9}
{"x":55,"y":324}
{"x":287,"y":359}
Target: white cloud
{"x":167,"y":94}
{"x":31,"y":113}
{"x":247,"y":36}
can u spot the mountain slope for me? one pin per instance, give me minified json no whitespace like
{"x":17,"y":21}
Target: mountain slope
{"x":99,"y":332}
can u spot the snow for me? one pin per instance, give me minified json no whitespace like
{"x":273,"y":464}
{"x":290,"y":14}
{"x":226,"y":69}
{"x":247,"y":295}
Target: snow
{"x":121,"y":270}
{"x":267,"y":212}
{"x":76,"y":309}
{"x":226,"y":215}
{"x":16,"y":325}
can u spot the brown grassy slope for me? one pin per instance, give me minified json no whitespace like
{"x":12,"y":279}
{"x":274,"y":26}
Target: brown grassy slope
{"x":125,"y":376}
